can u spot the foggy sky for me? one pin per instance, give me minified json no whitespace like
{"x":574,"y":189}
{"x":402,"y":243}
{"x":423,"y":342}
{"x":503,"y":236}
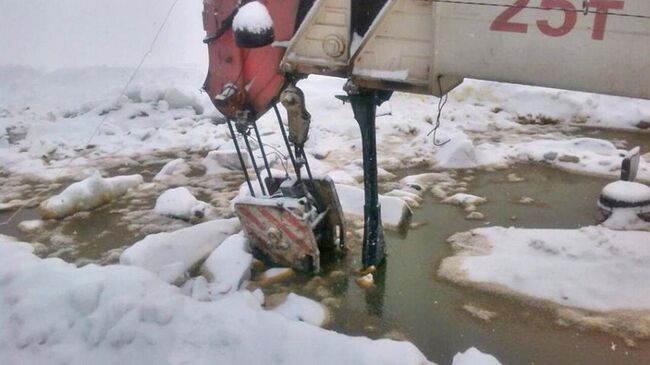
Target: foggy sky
{"x":56,"y":34}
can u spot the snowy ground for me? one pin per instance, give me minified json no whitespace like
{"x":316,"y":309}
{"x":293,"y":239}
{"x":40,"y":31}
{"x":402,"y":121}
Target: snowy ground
{"x":66,"y":125}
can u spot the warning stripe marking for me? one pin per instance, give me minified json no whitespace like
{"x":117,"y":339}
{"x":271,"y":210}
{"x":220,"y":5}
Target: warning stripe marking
{"x":294,"y":221}
{"x":268,"y":215}
{"x":244,"y":211}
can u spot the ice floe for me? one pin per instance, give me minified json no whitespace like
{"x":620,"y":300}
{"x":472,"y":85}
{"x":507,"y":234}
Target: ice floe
{"x":59,"y":313}
{"x":171,"y":255}
{"x":180,"y":203}
{"x":87,"y":195}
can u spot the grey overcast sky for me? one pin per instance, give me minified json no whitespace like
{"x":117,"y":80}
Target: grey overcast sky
{"x":52,"y":34}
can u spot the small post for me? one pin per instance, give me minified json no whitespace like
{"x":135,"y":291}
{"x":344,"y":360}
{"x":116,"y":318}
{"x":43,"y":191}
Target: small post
{"x":364,"y":104}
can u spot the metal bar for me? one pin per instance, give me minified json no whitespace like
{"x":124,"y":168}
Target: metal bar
{"x":304,"y":157}
{"x":257,"y":173}
{"x":286,"y":139}
{"x":241,"y":158}
{"x":364,"y":105}
{"x":259,"y":141}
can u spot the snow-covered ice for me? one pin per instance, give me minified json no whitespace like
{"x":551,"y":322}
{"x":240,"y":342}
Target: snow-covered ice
{"x":177,"y":167}
{"x":474,"y":357}
{"x":467,"y":201}
{"x":87,"y":195}
{"x":303,"y":309}
{"x":228,"y":266}
{"x":171,"y":255}
{"x":46,"y":119}
{"x":224,"y":160}
{"x":180,"y":203}
{"x":395,"y":212}
{"x":55,"y":312}
{"x":592,"y":268}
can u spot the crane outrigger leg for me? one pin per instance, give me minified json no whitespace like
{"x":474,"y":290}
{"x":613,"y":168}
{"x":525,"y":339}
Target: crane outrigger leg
{"x":364,"y":104}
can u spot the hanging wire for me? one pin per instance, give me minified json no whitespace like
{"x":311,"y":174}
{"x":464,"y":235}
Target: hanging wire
{"x":278,"y":153}
{"x":103,"y":120}
{"x":441,"y":105}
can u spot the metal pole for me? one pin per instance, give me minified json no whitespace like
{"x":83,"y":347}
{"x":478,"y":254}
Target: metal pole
{"x":364,"y":104}
{"x":304,"y":158}
{"x":241,"y":158}
{"x":257,"y":173}
{"x":259,"y":141}
{"x":286,"y":139}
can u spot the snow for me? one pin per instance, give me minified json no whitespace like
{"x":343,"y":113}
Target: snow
{"x":394,"y":211}
{"x":55,"y":312}
{"x":253,"y":17}
{"x":459,"y":152}
{"x":171,"y":255}
{"x":627,"y":191}
{"x":303,"y":309}
{"x":31,"y":225}
{"x":46,"y":118}
{"x":87,"y":195}
{"x":228,"y":266}
{"x":222,"y":161}
{"x":177,"y":167}
{"x":626,"y":219}
{"x":177,"y":99}
{"x":180,"y":203}
{"x":591,"y":268}
{"x":467,"y":201}
{"x":422,"y":182}
{"x":61,"y":118}
{"x":474,"y":357}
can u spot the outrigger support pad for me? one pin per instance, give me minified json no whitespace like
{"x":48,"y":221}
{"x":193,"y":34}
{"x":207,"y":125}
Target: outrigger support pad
{"x":364,"y":104}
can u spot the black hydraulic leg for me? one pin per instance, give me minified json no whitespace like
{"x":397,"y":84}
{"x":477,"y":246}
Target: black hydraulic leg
{"x":304,"y":156}
{"x":364,"y":103}
{"x":241,"y":158}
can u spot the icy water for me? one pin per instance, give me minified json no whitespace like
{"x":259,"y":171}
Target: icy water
{"x":428,"y":311}
{"x":409,"y":301}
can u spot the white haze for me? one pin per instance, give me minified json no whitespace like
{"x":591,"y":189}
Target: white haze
{"x":57,"y":34}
